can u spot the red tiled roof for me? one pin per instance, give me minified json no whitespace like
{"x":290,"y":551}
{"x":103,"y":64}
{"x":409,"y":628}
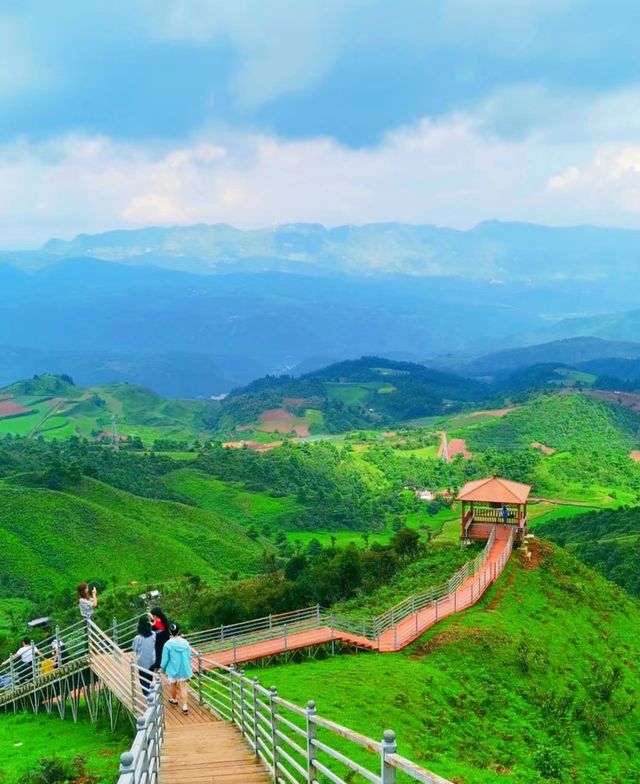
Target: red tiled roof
{"x":495,"y":490}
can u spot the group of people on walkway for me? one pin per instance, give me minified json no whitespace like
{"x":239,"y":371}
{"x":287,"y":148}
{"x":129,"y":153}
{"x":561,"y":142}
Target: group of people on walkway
{"x":160,"y":647}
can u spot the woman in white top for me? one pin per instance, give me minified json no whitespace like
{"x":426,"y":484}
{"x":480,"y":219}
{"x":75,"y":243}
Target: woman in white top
{"x":87,"y":601}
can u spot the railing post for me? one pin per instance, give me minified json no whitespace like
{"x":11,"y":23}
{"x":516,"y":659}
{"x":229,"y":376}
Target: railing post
{"x":254,"y":707}
{"x":312,"y":734}
{"x":127,"y":767}
{"x":242,"y":724}
{"x":58,"y":646}
{"x":141,"y":727}
{"x":285,"y":637}
{"x":318,"y":611}
{"x":273,"y":694}
{"x":114,"y":630}
{"x":436,"y":611}
{"x":270,"y":620}
{"x":235,"y":650}
{"x":388,"y":746}
{"x":33,"y":660}
{"x":200,"y":678}
{"x":232,"y":694}
{"x":132,"y":671}
{"x":395,"y":637}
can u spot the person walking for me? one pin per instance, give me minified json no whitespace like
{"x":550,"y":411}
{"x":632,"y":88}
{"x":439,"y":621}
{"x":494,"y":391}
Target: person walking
{"x":144,"y":647}
{"x":160,"y":625}
{"x":87,"y":600}
{"x":176,"y":664}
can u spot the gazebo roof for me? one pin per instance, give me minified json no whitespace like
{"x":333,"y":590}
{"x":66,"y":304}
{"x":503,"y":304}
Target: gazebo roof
{"x":495,"y":490}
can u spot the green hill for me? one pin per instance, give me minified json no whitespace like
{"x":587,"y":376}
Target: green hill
{"x":537,"y":682}
{"x":51,"y":540}
{"x":608,"y":541}
{"x":54,"y":408}
{"x":361,"y":393}
{"x":562,"y":422}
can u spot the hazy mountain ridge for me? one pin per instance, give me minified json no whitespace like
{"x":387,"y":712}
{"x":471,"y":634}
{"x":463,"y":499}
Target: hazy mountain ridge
{"x":490,"y":250}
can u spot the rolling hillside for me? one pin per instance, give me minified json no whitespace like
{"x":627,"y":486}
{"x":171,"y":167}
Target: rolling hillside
{"x":535,"y":683}
{"x":607,"y":541}
{"x":51,"y":406}
{"x":368,"y":392}
{"x":51,"y":540}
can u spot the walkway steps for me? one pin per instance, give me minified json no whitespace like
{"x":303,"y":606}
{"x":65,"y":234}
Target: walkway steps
{"x":200,"y":749}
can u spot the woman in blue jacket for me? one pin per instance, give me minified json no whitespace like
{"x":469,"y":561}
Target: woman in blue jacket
{"x":176,"y":663}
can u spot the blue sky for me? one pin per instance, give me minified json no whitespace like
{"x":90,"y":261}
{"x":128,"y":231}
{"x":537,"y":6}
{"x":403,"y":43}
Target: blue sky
{"x":118,"y":114}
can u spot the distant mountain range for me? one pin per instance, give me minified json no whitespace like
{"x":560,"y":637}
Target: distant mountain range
{"x":491,"y":251}
{"x":576,"y":352}
{"x":196,"y":311}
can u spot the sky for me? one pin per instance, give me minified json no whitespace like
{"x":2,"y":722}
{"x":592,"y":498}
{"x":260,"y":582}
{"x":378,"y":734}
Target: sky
{"x":128,"y":113}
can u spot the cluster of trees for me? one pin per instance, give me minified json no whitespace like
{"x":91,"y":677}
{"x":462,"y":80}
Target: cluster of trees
{"x":332,"y":491}
{"x":323,"y":575}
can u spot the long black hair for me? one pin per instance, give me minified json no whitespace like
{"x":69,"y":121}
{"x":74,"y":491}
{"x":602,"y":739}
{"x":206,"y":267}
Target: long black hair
{"x":144,"y":626}
{"x":161,"y":614}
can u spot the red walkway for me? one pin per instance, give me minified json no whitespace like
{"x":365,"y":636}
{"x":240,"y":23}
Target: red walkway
{"x":393,"y":639}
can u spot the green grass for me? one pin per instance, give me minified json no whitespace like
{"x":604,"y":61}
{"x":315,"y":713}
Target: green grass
{"x":51,"y":540}
{"x":25,"y":739}
{"x":522,"y":681}
{"x":349,"y":394}
{"x":242,"y":507}
{"x":84,"y":412}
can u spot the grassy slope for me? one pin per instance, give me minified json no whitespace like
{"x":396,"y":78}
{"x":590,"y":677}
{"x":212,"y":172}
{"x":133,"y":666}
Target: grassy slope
{"x":47,"y":736}
{"x":50,"y":539}
{"x":243,"y":507}
{"x":561,"y":422}
{"x":139,"y":411}
{"x":608,"y":541}
{"x":488,"y":695}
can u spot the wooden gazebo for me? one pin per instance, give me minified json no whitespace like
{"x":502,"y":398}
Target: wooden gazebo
{"x":493,"y":501}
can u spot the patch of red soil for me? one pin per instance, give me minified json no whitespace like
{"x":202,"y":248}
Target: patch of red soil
{"x":9,"y":408}
{"x":628,"y":399}
{"x":635,"y":455}
{"x":277,"y":415}
{"x":546,"y":450}
{"x":458,"y":446}
{"x":255,"y":446}
{"x":534,"y":553}
{"x":279,"y":420}
{"x":494,"y":412}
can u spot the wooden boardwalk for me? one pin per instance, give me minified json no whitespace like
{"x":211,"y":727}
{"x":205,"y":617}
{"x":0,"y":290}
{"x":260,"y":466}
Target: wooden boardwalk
{"x":200,"y":749}
{"x":394,"y":639}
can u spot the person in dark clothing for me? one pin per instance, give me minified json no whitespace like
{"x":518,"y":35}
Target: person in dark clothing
{"x":160,"y":625}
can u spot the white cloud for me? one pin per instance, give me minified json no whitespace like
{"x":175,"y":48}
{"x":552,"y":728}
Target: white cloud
{"x":448,"y":172}
{"x":611,"y":178}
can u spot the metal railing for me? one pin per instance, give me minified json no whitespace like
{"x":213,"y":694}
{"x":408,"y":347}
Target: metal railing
{"x":296,"y":744}
{"x":141,"y":764}
{"x":18,"y":677}
{"x":117,"y":670}
{"x":370,"y":630}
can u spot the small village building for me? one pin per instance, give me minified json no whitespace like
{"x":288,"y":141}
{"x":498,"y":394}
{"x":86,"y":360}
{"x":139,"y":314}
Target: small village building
{"x":493,"y":501}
